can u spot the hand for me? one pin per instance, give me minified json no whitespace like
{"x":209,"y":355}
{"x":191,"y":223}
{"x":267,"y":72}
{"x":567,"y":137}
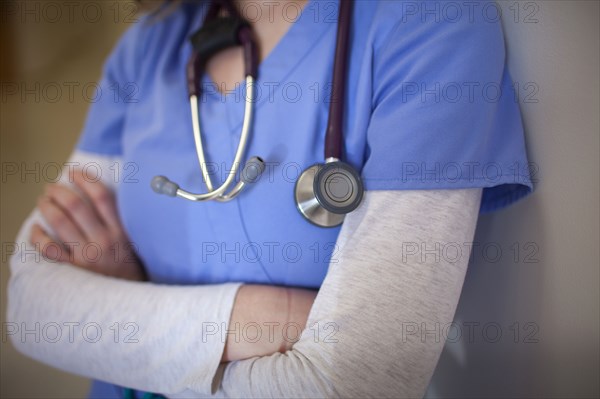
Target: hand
{"x":265,"y":320}
{"x":88,"y":231}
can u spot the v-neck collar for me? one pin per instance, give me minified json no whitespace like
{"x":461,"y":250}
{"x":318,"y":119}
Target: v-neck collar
{"x":280,"y":63}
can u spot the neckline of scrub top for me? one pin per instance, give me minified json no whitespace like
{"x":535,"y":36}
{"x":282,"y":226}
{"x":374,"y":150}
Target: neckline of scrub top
{"x":280,"y":63}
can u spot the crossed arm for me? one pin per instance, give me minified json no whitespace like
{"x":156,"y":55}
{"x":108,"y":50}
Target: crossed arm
{"x":355,"y":343}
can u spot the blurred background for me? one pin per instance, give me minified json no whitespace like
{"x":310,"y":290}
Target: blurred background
{"x":50,"y":49}
{"x":530,"y":310}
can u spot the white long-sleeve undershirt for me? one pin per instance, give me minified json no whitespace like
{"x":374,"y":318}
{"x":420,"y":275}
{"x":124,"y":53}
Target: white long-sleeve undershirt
{"x":371,"y":330}
{"x":363,"y":336}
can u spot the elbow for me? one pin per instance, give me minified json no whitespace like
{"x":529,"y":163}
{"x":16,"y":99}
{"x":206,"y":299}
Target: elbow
{"x":315,"y":372}
{"x":350,"y":370}
{"x":22,"y":326}
{"x":13,"y":330}
{"x":16,"y":328}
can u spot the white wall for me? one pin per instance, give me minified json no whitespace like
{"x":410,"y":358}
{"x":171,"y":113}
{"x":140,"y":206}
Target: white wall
{"x":560,"y":293}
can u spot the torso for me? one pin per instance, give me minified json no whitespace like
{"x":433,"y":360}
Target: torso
{"x":260,"y":237}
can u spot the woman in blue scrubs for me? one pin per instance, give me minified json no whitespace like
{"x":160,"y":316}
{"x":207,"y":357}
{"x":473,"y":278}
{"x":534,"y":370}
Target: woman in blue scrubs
{"x":431,"y":123}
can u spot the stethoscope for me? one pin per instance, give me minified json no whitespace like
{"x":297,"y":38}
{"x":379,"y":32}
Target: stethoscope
{"x":324,"y":193}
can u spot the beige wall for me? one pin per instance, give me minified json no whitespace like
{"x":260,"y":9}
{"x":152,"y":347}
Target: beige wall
{"x":558,"y":295}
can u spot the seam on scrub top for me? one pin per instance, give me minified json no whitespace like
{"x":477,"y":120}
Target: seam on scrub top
{"x":502,"y":201}
{"x":245,"y":230}
{"x":519,"y":181}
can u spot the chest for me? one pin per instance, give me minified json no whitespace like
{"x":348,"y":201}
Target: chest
{"x":260,"y":237}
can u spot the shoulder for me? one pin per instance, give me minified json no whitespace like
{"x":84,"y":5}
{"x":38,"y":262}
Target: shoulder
{"x":415,"y":23}
{"x":431,"y":41}
{"x":155,"y":37}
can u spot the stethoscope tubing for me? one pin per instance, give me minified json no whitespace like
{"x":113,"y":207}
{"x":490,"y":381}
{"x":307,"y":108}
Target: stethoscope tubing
{"x":333,"y":134}
{"x":219,"y":193}
{"x":324,"y":192}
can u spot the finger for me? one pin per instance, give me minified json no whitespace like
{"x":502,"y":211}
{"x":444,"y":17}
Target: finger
{"x":101,"y":198}
{"x":80,"y":211}
{"x":49,"y":248}
{"x":63,"y":226}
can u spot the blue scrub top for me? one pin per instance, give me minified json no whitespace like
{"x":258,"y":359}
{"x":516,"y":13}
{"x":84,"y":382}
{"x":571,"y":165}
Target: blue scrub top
{"x":429,"y":105}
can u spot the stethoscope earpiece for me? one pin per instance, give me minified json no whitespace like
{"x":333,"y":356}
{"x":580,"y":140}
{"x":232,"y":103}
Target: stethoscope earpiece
{"x":162,"y":185}
{"x":253,"y":168}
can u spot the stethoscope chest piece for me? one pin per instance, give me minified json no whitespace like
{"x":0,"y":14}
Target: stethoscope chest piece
{"x":324,"y":193}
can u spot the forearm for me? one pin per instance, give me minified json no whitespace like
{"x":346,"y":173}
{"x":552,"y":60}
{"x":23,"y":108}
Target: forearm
{"x":147,"y":330}
{"x":266,"y":320}
{"x":360,"y":339}
{"x":138,"y":321}
{"x":42,"y":292}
